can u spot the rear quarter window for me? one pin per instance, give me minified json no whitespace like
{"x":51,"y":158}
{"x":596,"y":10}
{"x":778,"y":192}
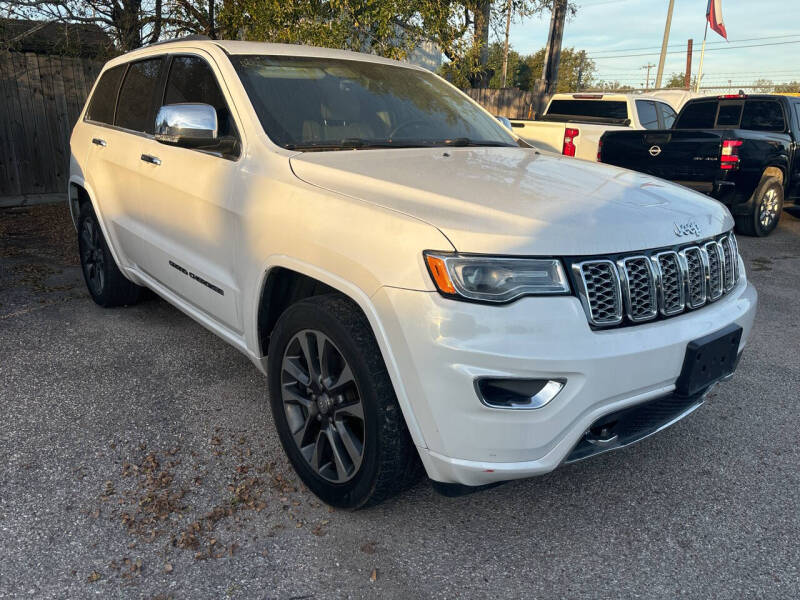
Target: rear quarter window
{"x":668,"y":115}
{"x":101,"y":106}
{"x":697,"y":115}
{"x":648,"y":116}
{"x":763,"y":115}
{"x":589,"y":108}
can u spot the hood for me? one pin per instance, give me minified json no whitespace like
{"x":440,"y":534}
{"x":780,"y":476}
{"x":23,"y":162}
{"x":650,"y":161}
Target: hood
{"x":518,"y":201}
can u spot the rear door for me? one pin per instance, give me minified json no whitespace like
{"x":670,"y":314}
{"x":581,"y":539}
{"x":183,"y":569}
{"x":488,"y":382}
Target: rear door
{"x":193,"y":228}
{"x":103,"y":144}
{"x":134,"y":121}
{"x":118,"y":132}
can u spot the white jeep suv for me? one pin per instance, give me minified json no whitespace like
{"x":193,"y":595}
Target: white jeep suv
{"x":421,"y":288}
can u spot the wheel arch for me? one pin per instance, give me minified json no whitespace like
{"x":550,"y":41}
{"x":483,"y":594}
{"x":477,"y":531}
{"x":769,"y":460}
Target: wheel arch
{"x":298,"y":280}
{"x":777,"y":171}
{"x":78,"y":193}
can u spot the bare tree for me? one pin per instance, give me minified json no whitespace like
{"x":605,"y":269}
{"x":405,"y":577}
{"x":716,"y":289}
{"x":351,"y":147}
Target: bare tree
{"x":131,"y":23}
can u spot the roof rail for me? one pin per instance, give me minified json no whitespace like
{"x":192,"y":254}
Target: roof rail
{"x":186,"y":38}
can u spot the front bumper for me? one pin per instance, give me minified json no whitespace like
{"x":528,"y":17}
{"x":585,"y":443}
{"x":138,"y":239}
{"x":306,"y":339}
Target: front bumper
{"x":440,"y":346}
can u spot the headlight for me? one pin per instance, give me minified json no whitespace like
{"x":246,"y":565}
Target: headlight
{"x":495,"y":279}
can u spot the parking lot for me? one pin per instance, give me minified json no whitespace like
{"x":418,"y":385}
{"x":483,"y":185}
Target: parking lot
{"x":139,"y":460}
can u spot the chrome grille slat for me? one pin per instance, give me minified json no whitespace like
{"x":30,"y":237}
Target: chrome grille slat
{"x":735,"y":247}
{"x":600,"y":291}
{"x":694,"y":270}
{"x":672,"y":297}
{"x":730,"y":263}
{"x":716,"y":270}
{"x":641,"y":287}
{"x":638,"y":288}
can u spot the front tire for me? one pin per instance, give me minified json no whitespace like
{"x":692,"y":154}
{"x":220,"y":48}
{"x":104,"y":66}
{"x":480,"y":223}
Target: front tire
{"x":105,"y":282}
{"x":334,"y":405}
{"x":767,"y":205}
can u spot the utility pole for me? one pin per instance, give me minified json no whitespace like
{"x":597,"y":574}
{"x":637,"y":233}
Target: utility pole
{"x":505,"y":48}
{"x":664,"y":45}
{"x":648,"y":66}
{"x":687,"y":80}
{"x":552,"y":55}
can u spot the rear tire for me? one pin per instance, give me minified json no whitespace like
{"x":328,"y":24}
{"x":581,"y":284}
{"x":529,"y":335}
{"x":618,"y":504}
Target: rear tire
{"x":105,"y":282}
{"x":330,"y":393}
{"x":767,"y":203}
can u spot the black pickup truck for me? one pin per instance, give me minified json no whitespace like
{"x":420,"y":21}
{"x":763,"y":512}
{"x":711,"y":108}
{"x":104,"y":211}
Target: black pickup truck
{"x":741,"y":150}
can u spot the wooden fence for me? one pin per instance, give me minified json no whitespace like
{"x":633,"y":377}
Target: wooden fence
{"x":41,"y":97}
{"x":508,"y":102}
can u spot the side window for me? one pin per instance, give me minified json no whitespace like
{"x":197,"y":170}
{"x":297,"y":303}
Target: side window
{"x":192,"y":80}
{"x":648,"y":116}
{"x":668,"y":115}
{"x":697,"y":115}
{"x":763,"y":115}
{"x":101,"y":107}
{"x":797,"y":112}
{"x":137,"y":98}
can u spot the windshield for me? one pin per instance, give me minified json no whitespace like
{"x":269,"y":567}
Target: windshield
{"x":330,"y":104}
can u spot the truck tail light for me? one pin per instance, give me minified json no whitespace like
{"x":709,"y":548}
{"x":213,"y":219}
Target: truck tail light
{"x":569,"y":141}
{"x":729,"y":159}
{"x":600,"y":151}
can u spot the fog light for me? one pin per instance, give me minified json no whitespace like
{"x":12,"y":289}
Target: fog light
{"x":521,"y":394}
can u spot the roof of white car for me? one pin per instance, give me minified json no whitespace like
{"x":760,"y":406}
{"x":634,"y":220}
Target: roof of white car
{"x":239,"y":47}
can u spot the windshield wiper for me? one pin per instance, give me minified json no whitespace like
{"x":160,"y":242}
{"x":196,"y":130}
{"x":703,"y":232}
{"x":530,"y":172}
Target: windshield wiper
{"x":355,"y":144}
{"x":464,"y":141}
{"x":366,"y":144}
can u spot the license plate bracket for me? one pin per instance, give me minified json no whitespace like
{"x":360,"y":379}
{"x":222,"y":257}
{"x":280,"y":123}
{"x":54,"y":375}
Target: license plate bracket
{"x":708,"y":360}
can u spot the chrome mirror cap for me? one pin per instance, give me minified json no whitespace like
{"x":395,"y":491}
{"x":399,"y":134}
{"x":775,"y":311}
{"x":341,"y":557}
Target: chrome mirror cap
{"x":505,"y":121}
{"x":187,"y":125}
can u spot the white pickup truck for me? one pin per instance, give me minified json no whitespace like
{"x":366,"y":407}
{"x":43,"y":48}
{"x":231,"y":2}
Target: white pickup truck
{"x":573,"y":124}
{"x":421,"y":291}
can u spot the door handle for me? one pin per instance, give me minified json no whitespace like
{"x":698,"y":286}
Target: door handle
{"x":153,"y":160}
{"x":99,"y":142}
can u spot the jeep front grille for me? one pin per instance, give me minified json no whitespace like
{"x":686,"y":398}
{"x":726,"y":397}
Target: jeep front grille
{"x":640,"y":287}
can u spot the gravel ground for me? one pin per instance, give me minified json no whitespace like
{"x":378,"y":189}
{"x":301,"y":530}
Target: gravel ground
{"x":138,"y":461}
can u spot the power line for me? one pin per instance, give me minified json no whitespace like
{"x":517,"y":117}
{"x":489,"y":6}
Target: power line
{"x":756,"y":39}
{"x":707,"y":50}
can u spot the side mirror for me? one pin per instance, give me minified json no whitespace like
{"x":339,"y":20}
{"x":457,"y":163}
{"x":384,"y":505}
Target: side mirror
{"x":187,"y":125}
{"x":505,"y":121}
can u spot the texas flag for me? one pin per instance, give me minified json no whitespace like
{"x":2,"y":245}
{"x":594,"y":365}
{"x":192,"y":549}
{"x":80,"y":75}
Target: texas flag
{"x":714,"y":16}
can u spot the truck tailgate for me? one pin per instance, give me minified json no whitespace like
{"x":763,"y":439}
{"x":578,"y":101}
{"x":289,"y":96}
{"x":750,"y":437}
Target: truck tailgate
{"x":684,"y":155}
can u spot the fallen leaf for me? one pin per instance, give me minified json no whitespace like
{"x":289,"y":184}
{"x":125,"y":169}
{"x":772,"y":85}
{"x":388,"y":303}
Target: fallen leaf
{"x":95,"y":576}
{"x":374,"y":575}
{"x":369,"y":548}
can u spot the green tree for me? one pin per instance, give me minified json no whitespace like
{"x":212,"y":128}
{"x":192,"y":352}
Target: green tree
{"x":792,"y":87}
{"x":575,"y":73}
{"x":677,"y":80}
{"x":764,"y":86}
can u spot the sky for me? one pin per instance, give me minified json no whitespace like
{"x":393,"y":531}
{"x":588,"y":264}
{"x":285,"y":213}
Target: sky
{"x":609,"y":28}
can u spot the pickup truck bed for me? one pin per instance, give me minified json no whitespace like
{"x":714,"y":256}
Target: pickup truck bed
{"x":573,"y":124}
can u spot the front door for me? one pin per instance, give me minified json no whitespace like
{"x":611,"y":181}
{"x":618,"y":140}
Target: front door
{"x":194,"y":231}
